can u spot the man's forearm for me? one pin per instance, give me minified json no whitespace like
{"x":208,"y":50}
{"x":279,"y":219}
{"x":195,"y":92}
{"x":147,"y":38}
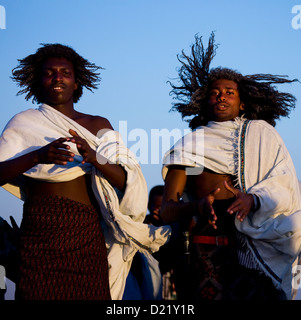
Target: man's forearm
{"x":172,"y":211}
{"x":114,"y":173}
{"x":11,"y":169}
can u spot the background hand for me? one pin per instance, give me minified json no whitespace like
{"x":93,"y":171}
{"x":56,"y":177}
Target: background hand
{"x":206,"y":209}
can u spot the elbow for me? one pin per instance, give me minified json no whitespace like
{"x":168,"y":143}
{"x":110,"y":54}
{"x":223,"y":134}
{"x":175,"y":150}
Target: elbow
{"x":121,"y":184}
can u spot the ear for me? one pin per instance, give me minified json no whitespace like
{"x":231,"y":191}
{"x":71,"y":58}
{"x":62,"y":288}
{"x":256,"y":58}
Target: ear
{"x":242,"y":106}
{"x":75,"y":86}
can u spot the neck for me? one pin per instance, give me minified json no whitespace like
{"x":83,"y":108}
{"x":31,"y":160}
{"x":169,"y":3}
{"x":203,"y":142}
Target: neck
{"x":66,"y":109}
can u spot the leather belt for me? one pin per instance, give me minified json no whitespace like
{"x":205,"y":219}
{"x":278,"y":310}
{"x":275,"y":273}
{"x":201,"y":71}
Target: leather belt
{"x":218,"y":241}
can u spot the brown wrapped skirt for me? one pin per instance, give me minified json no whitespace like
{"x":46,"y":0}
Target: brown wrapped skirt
{"x":215,"y":272}
{"x":62,"y":252}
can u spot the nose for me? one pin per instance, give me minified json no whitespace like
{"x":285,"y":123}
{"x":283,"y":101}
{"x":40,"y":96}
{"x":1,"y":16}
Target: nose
{"x":57,"y":76}
{"x":220,"y":97}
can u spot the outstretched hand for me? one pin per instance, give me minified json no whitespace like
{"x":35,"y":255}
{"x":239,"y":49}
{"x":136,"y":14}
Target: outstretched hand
{"x":242,"y":205}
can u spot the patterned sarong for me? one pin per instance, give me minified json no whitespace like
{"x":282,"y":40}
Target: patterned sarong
{"x":62,"y":252}
{"x":215,"y":273}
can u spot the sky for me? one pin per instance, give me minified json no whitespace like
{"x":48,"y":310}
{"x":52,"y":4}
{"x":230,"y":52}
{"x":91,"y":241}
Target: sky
{"x":137,"y":43}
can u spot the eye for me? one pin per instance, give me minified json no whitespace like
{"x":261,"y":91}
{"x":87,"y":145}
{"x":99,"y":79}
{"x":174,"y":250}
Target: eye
{"x":67,"y":72}
{"x":213,"y":93}
{"x":230,"y":92}
{"x":47,"y":73}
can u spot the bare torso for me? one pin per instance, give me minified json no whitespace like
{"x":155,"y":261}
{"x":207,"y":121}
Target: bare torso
{"x":201,"y":185}
{"x":80,"y":188}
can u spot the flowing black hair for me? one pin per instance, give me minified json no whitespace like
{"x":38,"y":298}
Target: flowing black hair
{"x":261,"y":98}
{"x":28,"y":73}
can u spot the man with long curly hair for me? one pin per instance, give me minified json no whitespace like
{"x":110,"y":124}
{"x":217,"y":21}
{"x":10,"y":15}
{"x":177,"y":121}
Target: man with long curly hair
{"x":232,"y":183}
{"x":80,"y":225}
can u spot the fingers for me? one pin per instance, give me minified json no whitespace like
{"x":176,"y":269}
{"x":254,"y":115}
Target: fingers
{"x":212,"y":195}
{"x":240,"y":207}
{"x":234,"y":207}
{"x":73,"y":133}
{"x":59,"y":152}
{"x":82,"y":148}
{"x":239,"y":204}
{"x":230,"y":188}
{"x":13,"y":222}
{"x":241,"y":215}
{"x":206,"y":210}
{"x":60,"y":145}
{"x":215,"y":192}
{"x":76,"y":139}
{"x":212,"y":218}
{"x":56,"y":152}
{"x":81,"y":144}
{"x":156,"y":216}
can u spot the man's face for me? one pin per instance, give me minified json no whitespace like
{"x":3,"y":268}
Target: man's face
{"x":58,"y":82}
{"x":224,"y":102}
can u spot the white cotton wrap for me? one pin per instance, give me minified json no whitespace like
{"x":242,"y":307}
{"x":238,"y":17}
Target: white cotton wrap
{"x":125,"y":232}
{"x":262,"y":166}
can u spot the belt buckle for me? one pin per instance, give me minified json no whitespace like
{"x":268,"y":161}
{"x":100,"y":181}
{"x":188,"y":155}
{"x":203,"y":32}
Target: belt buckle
{"x":217,"y":243}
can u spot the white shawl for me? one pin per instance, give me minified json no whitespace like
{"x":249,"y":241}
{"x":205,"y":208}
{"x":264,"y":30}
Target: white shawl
{"x":262,"y":166}
{"x":125,"y":232}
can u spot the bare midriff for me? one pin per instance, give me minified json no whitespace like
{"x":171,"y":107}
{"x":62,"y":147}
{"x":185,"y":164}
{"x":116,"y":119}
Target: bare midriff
{"x":79,"y":189}
{"x":201,"y":185}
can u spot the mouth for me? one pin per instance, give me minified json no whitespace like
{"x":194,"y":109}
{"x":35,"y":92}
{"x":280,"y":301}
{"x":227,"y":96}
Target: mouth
{"x":58,"y":87}
{"x":221,"y":107}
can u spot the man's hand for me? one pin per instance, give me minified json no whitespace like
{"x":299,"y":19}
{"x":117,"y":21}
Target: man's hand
{"x":242,"y":205}
{"x":88,"y":154}
{"x":13,"y":232}
{"x":113,"y":172}
{"x":56,"y":152}
{"x":205,"y":207}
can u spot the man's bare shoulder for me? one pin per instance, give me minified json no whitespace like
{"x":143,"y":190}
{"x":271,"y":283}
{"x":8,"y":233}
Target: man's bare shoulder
{"x":100,"y":122}
{"x":93,"y":123}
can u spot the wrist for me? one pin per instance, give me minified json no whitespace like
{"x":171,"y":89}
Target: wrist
{"x":256,"y":205}
{"x":199,"y":208}
{"x":92,"y":158}
{"x":36,"y":157}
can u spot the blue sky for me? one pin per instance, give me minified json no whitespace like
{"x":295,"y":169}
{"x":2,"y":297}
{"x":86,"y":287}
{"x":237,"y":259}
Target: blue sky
{"x":136,"y":42}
